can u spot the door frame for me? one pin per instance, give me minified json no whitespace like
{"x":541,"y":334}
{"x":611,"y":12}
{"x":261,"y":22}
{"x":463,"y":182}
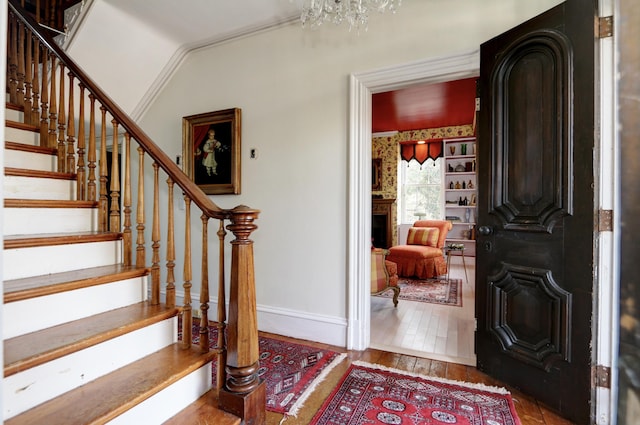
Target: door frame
{"x":362,"y":86}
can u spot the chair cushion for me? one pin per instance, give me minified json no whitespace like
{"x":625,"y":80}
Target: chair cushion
{"x":413,"y":251}
{"x":427,"y":236}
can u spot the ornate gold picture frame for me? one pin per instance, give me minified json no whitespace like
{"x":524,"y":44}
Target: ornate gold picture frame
{"x":211,"y":150}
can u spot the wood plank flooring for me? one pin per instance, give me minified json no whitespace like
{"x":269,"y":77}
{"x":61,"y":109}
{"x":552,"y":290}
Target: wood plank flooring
{"x":437,"y":332}
{"x":445,"y":350}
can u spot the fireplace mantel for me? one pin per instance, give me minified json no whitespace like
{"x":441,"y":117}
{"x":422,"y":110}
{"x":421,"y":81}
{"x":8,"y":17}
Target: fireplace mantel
{"x":381,"y":225}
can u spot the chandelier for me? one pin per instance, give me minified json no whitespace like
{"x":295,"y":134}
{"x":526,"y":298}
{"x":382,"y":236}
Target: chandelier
{"x":354,"y":12}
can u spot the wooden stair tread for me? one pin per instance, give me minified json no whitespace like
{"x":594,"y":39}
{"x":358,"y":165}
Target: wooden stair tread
{"x":33,"y":349}
{"x":109,"y":396}
{"x":48,"y":203}
{"x":22,"y":126}
{"x":48,"y":239}
{"x":38,"y":286}
{"x":204,"y":411}
{"x":30,"y":148}
{"x":25,"y":172}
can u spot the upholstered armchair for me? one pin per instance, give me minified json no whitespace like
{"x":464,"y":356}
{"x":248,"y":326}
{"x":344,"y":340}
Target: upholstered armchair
{"x":384,"y":274}
{"x":422,"y":256}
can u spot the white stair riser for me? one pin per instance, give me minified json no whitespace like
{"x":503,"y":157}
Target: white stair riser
{"x":30,"y":160}
{"x":52,"y":310}
{"x":39,"y":188}
{"x":41,"y":260}
{"x":30,"y":221}
{"x":18,"y":135}
{"x":13,"y":115}
{"x":31,"y":387}
{"x":170,"y":401}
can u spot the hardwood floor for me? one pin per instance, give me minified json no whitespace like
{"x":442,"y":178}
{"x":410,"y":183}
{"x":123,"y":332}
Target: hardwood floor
{"x":528,"y":409}
{"x":437,"y":332}
{"x":446,"y":351}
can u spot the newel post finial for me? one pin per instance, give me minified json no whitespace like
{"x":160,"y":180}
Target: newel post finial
{"x":244,"y":393}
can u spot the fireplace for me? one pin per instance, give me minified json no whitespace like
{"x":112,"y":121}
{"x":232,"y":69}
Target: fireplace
{"x":381,"y":225}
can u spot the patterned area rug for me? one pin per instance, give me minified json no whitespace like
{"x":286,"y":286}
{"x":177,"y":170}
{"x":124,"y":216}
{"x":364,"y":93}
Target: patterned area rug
{"x":434,"y":291}
{"x":291,"y":371}
{"x":370,"y":394}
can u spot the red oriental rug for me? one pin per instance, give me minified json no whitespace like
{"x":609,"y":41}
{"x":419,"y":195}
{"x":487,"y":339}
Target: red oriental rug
{"x":373,"y":394}
{"x":291,"y":371}
{"x":434,"y":291}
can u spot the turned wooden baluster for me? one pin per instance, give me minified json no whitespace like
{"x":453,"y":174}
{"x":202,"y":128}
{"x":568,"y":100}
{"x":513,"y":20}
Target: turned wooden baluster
{"x":244,"y":392}
{"x":12,"y":68}
{"x":20,"y":70}
{"x":204,"y":287}
{"x":127,"y":240}
{"x":81,"y":179}
{"x":44,"y":100}
{"x":187,"y":318}
{"x":71,"y":130}
{"x":53,"y":107}
{"x":140,"y":249}
{"x":62,"y":117}
{"x":103,"y":202}
{"x":155,"y":239}
{"x":114,"y":183}
{"x":171,"y":249}
{"x":38,"y":13}
{"x":91,"y":155}
{"x":222,"y":311}
{"x":28,"y":70}
{"x":35,"y":83}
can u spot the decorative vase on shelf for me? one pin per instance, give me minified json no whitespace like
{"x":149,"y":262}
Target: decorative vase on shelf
{"x":467,"y":215}
{"x":452,"y":149}
{"x":463,"y":149}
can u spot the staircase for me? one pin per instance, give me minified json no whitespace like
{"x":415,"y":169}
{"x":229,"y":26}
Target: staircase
{"x":82,"y":342}
{"x":89,"y":330}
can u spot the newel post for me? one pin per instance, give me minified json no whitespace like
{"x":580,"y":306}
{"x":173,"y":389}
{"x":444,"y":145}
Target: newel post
{"x":243,"y":393}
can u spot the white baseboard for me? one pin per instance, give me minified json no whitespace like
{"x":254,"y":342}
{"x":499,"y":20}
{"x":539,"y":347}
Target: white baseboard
{"x":286,"y":322}
{"x":302,"y":325}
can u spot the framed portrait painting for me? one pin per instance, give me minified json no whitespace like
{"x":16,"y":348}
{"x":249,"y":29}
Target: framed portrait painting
{"x":211,"y":150}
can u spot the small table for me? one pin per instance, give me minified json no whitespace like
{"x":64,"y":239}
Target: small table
{"x":455,"y":247}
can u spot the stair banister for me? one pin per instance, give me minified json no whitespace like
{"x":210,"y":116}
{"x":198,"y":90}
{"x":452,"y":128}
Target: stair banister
{"x":243,"y":393}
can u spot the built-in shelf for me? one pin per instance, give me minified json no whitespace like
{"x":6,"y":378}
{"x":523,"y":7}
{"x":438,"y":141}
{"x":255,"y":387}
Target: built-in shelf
{"x":460,"y":168}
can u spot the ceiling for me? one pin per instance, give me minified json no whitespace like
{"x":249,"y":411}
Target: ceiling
{"x":424,"y":106}
{"x":193,"y":22}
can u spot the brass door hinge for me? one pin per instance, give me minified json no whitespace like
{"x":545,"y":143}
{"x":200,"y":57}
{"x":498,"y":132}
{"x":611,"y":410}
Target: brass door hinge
{"x":601,"y":376}
{"x":605,"y":221}
{"x":605,"y":27}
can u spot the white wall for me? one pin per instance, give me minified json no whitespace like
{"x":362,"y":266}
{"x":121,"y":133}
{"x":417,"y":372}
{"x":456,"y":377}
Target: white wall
{"x":292,"y":86}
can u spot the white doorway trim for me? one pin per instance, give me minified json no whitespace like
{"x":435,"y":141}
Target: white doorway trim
{"x":362,"y":86}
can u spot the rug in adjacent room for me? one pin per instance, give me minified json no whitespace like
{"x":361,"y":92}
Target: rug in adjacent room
{"x":433,"y":291}
{"x":369,"y":393}
{"x":291,"y":371}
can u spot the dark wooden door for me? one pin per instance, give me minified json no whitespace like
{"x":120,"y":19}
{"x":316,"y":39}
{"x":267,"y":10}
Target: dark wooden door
{"x":536,"y":209}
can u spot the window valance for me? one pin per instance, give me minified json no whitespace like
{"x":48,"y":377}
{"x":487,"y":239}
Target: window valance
{"x":421,"y":150}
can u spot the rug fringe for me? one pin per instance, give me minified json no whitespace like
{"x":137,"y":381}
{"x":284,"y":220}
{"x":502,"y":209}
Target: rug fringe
{"x":293,"y":411}
{"x":483,"y":387}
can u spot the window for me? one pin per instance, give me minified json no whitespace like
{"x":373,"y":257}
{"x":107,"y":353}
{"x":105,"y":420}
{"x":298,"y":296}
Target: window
{"x":420,"y":190}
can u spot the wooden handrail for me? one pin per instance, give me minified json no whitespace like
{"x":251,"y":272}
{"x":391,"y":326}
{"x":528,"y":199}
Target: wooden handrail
{"x":206,"y":205}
